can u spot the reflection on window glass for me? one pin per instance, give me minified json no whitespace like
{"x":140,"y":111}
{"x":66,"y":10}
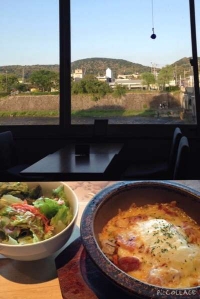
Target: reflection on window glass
{"x":197,"y":8}
{"x":29,"y":57}
{"x":131,"y":62}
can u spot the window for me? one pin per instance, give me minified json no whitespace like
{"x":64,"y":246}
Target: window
{"x":107,"y":66}
{"x":29,"y":62}
{"x":120,"y":73}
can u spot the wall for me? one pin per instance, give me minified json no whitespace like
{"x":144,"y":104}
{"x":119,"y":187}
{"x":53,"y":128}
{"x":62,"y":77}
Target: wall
{"x":131,"y":101}
{"x":29,"y":103}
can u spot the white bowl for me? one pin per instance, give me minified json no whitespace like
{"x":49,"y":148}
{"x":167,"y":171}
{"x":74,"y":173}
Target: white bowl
{"x":36,"y":251}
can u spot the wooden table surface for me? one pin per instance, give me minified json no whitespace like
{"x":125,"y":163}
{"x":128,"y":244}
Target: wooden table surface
{"x":65,"y":163}
{"x":38,"y":279}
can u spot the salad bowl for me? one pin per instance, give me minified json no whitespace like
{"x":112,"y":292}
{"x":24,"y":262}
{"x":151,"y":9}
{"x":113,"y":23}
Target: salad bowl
{"x":42,"y":248}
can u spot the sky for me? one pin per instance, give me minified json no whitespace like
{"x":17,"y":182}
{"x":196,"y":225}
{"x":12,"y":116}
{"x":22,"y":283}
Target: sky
{"x":119,"y":29}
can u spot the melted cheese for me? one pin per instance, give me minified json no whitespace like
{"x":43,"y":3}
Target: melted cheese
{"x":166,"y":256}
{"x":168,"y":243}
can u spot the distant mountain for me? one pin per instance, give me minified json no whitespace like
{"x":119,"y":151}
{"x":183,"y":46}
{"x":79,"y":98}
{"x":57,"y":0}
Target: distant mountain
{"x":27,"y":70}
{"x":98,"y":66}
{"x":185,"y":61}
{"x":183,"y":67}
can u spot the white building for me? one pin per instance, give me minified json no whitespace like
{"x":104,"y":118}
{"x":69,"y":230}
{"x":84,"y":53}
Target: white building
{"x":129,"y":83}
{"x":109,"y":75}
{"x":130,"y":76}
{"x":102,"y":78}
{"x":78,"y":74}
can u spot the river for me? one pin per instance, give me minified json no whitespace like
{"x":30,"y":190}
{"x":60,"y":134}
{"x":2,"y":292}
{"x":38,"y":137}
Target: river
{"x":15,"y":121}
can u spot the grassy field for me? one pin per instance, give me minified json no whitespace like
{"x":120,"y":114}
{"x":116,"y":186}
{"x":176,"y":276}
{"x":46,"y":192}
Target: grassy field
{"x":29,"y":113}
{"x":113,"y":113}
{"x":81,"y":113}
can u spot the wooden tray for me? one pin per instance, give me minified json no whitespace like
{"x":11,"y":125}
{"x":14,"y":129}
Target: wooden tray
{"x":80,"y":278}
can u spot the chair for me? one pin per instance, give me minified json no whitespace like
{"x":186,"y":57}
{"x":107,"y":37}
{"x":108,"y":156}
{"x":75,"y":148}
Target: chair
{"x":157,"y":169}
{"x":10,"y":167}
{"x":8,"y":155}
{"x":100,"y":129}
{"x":115,"y":168}
{"x":182,"y":160}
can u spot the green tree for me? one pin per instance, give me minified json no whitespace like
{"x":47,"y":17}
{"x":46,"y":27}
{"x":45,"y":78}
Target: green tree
{"x":8,"y":82}
{"x":104,"y":89}
{"x":90,"y":85}
{"x":119,"y":91}
{"x":2,"y":83}
{"x":165,"y":76}
{"x":148,"y":78}
{"x":45,"y":80}
{"x":77,"y":87}
{"x":22,"y":87}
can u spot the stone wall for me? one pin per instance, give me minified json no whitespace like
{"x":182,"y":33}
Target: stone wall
{"x":29,"y":103}
{"x":131,"y":101}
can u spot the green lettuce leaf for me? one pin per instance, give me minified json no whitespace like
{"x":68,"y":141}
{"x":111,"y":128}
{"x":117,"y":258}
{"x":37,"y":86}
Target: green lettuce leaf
{"x":10,"y":241}
{"x":62,"y":218}
{"x":18,"y":189}
{"x":33,"y":226}
{"x":7,"y":200}
{"x":7,"y":211}
{"x":47,"y":206}
{"x":59,"y":192}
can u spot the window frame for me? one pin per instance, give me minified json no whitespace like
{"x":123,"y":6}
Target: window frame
{"x":65,"y":129}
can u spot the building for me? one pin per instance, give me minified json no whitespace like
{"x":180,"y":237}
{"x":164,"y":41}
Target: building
{"x":131,"y":76}
{"x":102,"y":78}
{"x":129,"y":83}
{"x":188,"y":100}
{"x":78,"y":74}
{"x":109,"y":75}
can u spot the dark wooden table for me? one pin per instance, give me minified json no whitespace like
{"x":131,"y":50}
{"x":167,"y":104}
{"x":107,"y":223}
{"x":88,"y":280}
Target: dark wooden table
{"x":66,"y":164}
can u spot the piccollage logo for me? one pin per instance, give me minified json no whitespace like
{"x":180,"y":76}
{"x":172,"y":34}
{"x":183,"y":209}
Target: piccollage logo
{"x":180,"y":293}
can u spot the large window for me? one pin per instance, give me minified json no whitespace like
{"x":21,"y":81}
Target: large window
{"x":29,"y":62}
{"x":64,"y":64}
{"x":120,"y":71}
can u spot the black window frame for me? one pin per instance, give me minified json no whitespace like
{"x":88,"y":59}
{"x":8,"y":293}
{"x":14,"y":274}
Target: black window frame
{"x":66,"y":130}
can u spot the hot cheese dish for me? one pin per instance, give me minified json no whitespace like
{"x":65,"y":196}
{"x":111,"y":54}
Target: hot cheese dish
{"x":158,"y":244}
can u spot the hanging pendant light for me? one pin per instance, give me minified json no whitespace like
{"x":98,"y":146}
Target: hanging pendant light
{"x":153,"y":36}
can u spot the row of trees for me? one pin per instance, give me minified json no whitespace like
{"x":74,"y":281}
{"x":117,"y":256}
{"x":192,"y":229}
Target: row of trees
{"x":91,"y":85}
{"x":42,"y":80}
{"x":45,"y":80}
{"x":165,"y":75}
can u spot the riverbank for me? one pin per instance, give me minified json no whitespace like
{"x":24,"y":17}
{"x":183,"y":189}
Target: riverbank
{"x":128,"y":102}
{"x":16,"y":121}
